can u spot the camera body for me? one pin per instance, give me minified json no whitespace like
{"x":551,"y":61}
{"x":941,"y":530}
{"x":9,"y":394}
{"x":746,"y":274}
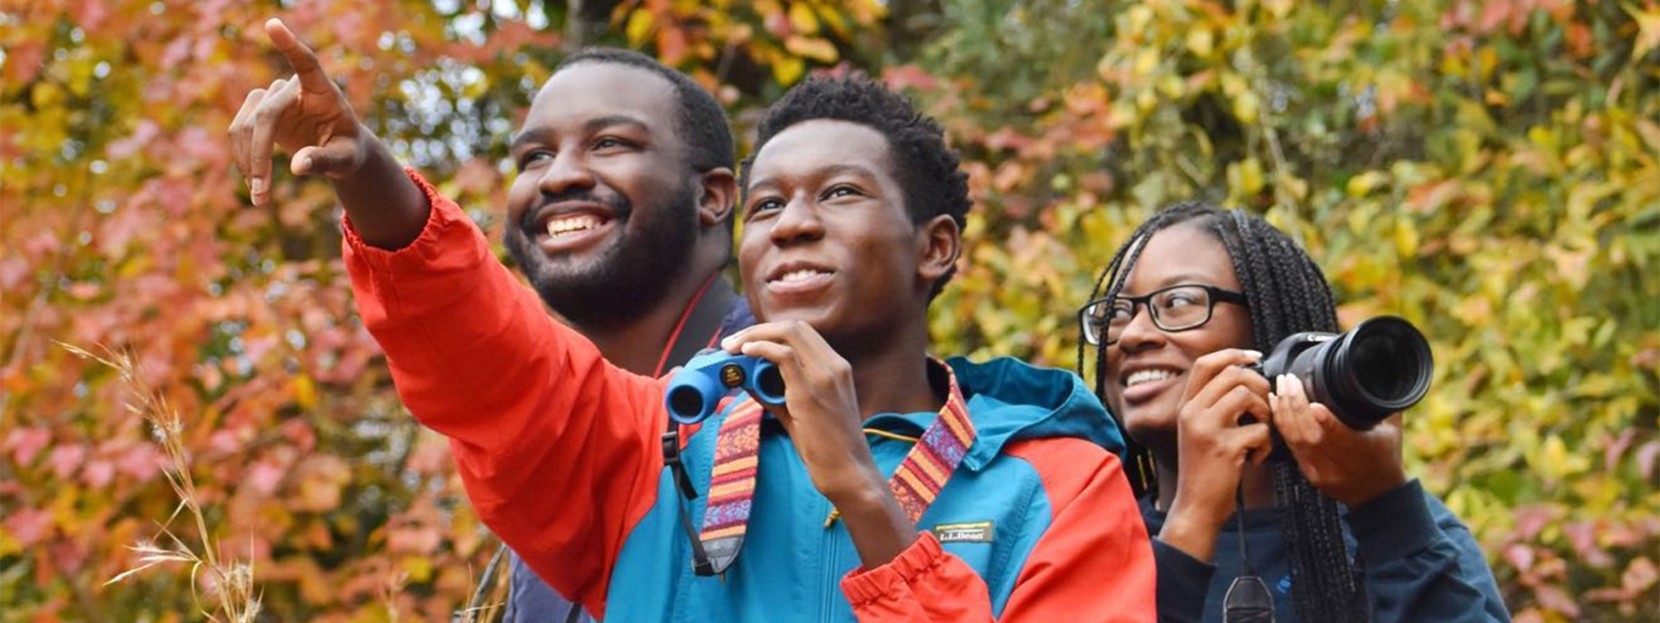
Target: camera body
{"x":1380,"y":367}
{"x":696,"y":390}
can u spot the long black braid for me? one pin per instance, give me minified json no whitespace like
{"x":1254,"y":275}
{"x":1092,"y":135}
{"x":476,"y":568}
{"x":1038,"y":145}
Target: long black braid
{"x":1286,"y":293}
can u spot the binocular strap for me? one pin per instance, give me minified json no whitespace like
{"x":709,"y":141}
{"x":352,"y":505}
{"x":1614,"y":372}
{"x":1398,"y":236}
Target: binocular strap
{"x":915,"y":483}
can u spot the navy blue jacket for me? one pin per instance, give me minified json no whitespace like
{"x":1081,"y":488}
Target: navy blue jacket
{"x":1421,"y":564}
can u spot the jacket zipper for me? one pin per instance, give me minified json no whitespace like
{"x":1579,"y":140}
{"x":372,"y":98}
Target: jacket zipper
{"x":827,"y":589}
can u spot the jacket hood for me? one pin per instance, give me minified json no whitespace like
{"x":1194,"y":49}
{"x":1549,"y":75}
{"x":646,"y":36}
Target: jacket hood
{"x":1011,"y":400}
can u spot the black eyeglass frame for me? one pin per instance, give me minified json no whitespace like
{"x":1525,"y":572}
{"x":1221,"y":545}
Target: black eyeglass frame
{"x":1213,"y":296}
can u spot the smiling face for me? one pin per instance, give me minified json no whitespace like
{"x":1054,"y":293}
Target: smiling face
{"x":1146,"y":371}
{"x":603,"y":213}
{"x":827,"y":238}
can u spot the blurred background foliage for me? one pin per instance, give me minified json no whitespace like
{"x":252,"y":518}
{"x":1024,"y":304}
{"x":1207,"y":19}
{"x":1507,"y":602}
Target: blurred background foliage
{"x":1490,"y":170}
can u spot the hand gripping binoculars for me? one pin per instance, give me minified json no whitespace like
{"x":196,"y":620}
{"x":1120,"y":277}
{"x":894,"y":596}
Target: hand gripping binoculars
{"x":695,"y":391}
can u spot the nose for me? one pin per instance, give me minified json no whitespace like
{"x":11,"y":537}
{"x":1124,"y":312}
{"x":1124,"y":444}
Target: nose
{"x":1141,"y":334}
{"x":567,"y":172}
{"x":798,"y":221}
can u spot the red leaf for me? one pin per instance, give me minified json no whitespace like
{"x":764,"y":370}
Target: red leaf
{"x":1583,"y":536}
{"x":901,"y":77}
{"x":65,"y":459}
{"x":1646,"y":456}
{"x":1493,"y":14}
{"x":264,"y":476}
{"x":671,"y":46}
{"x":141,"y":137}
{"x":29,"y":525}
{"x":26,"y":443}
{"x":23,"y":62}
{"x":98,"y":474}
{"x":142,"y":462}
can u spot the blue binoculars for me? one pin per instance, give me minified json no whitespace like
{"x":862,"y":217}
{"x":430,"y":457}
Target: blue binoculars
{"x":697,"y":388}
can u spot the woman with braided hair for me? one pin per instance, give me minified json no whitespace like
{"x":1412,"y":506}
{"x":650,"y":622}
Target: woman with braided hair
{"x":1333,"y":528}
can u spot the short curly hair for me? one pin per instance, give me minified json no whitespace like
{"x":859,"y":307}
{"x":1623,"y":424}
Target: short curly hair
{"x":702,"y":122}
{"x":928,"y":170}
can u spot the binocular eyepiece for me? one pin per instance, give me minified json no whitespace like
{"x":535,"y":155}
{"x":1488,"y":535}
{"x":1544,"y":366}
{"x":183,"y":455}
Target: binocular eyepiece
{"x":1382,"y":366}
{"x":695,"y":391}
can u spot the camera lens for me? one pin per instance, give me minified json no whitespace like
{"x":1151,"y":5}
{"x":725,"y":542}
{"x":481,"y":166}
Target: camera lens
{"x":1386,"y":368}
{"x":1381,"y":367}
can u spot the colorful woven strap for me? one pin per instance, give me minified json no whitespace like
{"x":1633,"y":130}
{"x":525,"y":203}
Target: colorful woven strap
{"x":915,"y":483}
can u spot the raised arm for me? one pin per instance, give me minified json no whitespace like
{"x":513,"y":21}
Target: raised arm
{"x":558,"y":448}
{"x":307,"y":116}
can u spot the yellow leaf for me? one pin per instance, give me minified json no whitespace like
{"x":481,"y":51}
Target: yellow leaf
{"x":788,"y":69}
{"x":1146,"y":61}
{"x":811,"y":47}
{"x":1361,"y":185}
{"x":305,"y":392}
{"x":833,"y":20}
{"x":1245,"y":108}
{"x":1556,"y":462}
{"x":639,"y":27}
{"x":1201,"y":42}
{"x":1648,"y":31}
{"x":802,"y":18}
{"x":1406,"y":238}
{"x":46,"y":95}
{"x":1246,"y":175}
{"x":1277,"y":8}
{"x":418,"y":567}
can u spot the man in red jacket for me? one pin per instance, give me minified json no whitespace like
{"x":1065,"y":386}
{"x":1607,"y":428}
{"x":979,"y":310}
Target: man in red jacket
{"x":633,"y":258}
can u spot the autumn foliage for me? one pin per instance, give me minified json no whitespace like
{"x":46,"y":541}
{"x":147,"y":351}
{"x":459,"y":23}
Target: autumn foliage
{"x":1490,"y":170}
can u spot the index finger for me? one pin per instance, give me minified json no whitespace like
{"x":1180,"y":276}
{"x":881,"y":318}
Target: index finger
{"x":300,"y":57}
{"x":795,"y":334}
{"x":1207,"y":367}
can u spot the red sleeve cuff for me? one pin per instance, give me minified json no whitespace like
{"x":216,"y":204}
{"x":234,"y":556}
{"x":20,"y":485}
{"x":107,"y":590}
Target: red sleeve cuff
{"x":867,"y":585}
{"x":442,"y":216}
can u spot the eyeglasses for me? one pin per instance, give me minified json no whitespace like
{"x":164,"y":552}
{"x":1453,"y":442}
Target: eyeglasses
{"x":1177,"y":308}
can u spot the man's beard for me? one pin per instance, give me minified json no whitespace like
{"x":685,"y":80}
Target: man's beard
{"x":627,"y":277}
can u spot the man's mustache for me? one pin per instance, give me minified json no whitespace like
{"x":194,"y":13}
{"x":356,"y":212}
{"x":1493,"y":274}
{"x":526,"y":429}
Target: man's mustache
{"x":619,"y":206}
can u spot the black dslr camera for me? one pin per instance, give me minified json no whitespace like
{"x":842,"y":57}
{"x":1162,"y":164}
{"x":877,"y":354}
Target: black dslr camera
{"x":1381,"y":366}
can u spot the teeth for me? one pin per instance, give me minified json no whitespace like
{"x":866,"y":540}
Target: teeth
{"x":1147,"y":376}
{"x":580,"y":222}
{"x":799,"y":275}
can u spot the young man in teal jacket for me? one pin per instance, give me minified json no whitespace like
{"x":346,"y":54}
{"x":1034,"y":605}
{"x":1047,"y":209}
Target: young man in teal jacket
{"x":889,"y":485}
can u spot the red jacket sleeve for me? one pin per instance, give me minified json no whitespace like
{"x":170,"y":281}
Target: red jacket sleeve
{"x":557,"y":448}
{"x":1094,"y":563}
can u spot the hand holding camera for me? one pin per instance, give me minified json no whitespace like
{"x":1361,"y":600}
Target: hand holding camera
{"x":1348,"y":465}
{"x":1333,"y":399}
{"x":1223,"y":424}
{"x":1347,"y":440}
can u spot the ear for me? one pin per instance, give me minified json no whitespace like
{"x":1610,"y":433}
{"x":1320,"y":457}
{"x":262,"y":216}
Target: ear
{"x":939,"y":243}
{"x":720,"y":190}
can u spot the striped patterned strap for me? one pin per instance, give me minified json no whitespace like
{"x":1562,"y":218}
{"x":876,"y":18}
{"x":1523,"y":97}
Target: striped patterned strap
{"x":732,"y":484}
{"x":932,"y":460}
{"x":915,"y":483}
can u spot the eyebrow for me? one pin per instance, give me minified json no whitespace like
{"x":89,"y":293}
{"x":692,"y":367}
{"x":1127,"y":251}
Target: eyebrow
{"x":1187,"y":278}
{"x":544,"y":135}
{"x":829,"y":171}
